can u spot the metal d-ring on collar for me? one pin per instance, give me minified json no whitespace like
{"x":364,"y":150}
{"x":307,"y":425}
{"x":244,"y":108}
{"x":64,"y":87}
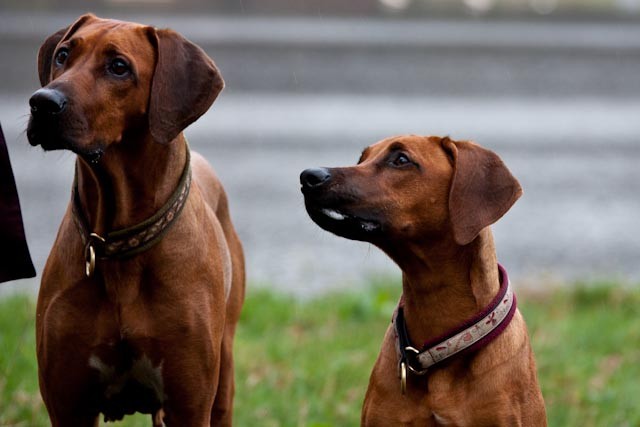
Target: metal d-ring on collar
{"x":407,"y":352}
{"x":132,"y":240}
{"x":472,"y":334}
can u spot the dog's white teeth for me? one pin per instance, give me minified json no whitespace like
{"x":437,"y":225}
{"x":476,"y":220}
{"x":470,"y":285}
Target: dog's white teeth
{"x":333,"y":214}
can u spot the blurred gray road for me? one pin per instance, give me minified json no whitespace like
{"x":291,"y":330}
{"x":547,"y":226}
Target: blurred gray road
{"x":559,"y":102}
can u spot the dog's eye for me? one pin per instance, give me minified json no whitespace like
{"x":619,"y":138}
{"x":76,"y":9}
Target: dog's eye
{"x":119,"y":67}
{"x":62,"y":55}
{"x":400,"y":159}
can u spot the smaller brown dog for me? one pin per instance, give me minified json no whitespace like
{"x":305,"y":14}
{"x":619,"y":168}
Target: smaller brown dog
{"x":428,"y":202}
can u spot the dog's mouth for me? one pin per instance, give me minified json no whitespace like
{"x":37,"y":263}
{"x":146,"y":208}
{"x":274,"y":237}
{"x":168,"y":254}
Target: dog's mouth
{"x":343,"y":223}
{"x":50,"y":138}
{"x":92,"y":156}
{"x":365,"y":224}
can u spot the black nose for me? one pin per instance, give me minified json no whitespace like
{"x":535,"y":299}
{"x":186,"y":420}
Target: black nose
{"x":47,"y":102}
{"x":314,"y":177}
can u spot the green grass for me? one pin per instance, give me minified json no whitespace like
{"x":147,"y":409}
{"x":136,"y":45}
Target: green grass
{"x":306,"y":363}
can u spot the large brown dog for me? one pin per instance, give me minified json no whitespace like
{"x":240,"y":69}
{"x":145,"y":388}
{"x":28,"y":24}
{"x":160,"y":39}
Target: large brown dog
{"x":427,"y":202}
{"x":144,"y":285}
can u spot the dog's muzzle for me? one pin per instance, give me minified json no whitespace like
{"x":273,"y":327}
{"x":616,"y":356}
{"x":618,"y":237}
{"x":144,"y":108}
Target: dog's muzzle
{"x":334,"y":210}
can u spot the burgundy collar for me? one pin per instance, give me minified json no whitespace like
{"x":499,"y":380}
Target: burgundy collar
{"x":473,"y":334}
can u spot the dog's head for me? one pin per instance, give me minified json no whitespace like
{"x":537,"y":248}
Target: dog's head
{"x":104,"y":81}
{"x":412,"y":189}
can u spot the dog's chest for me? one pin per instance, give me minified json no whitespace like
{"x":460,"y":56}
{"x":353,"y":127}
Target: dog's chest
{"x":133,"y":384}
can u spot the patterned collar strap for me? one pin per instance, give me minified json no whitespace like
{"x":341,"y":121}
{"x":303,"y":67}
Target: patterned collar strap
{"x":473,"y":334}
{"x":132,"y":240}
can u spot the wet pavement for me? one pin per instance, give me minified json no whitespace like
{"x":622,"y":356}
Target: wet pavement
{"x":563,"y":115}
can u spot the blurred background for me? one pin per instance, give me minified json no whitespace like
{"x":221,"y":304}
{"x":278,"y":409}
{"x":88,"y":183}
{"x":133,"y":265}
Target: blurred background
{"x":553,"y":86}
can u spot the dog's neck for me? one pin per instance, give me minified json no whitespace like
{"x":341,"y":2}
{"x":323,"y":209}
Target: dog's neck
{"x":445,"y":285}
{"x":130,"y":183}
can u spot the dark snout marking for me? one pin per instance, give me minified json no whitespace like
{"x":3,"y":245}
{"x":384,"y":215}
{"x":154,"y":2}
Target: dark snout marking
{"x":47,"y":102}
{"x":314,"y":177}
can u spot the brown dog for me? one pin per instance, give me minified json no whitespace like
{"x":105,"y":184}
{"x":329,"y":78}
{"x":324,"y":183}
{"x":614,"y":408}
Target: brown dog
{"x":427,"y":202}
{"x":144,"y":285}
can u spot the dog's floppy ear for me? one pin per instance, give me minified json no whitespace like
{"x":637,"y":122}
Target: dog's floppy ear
{"x":45,"y":54}
{"x":482,"y":189}
{"x":185,"y":84}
